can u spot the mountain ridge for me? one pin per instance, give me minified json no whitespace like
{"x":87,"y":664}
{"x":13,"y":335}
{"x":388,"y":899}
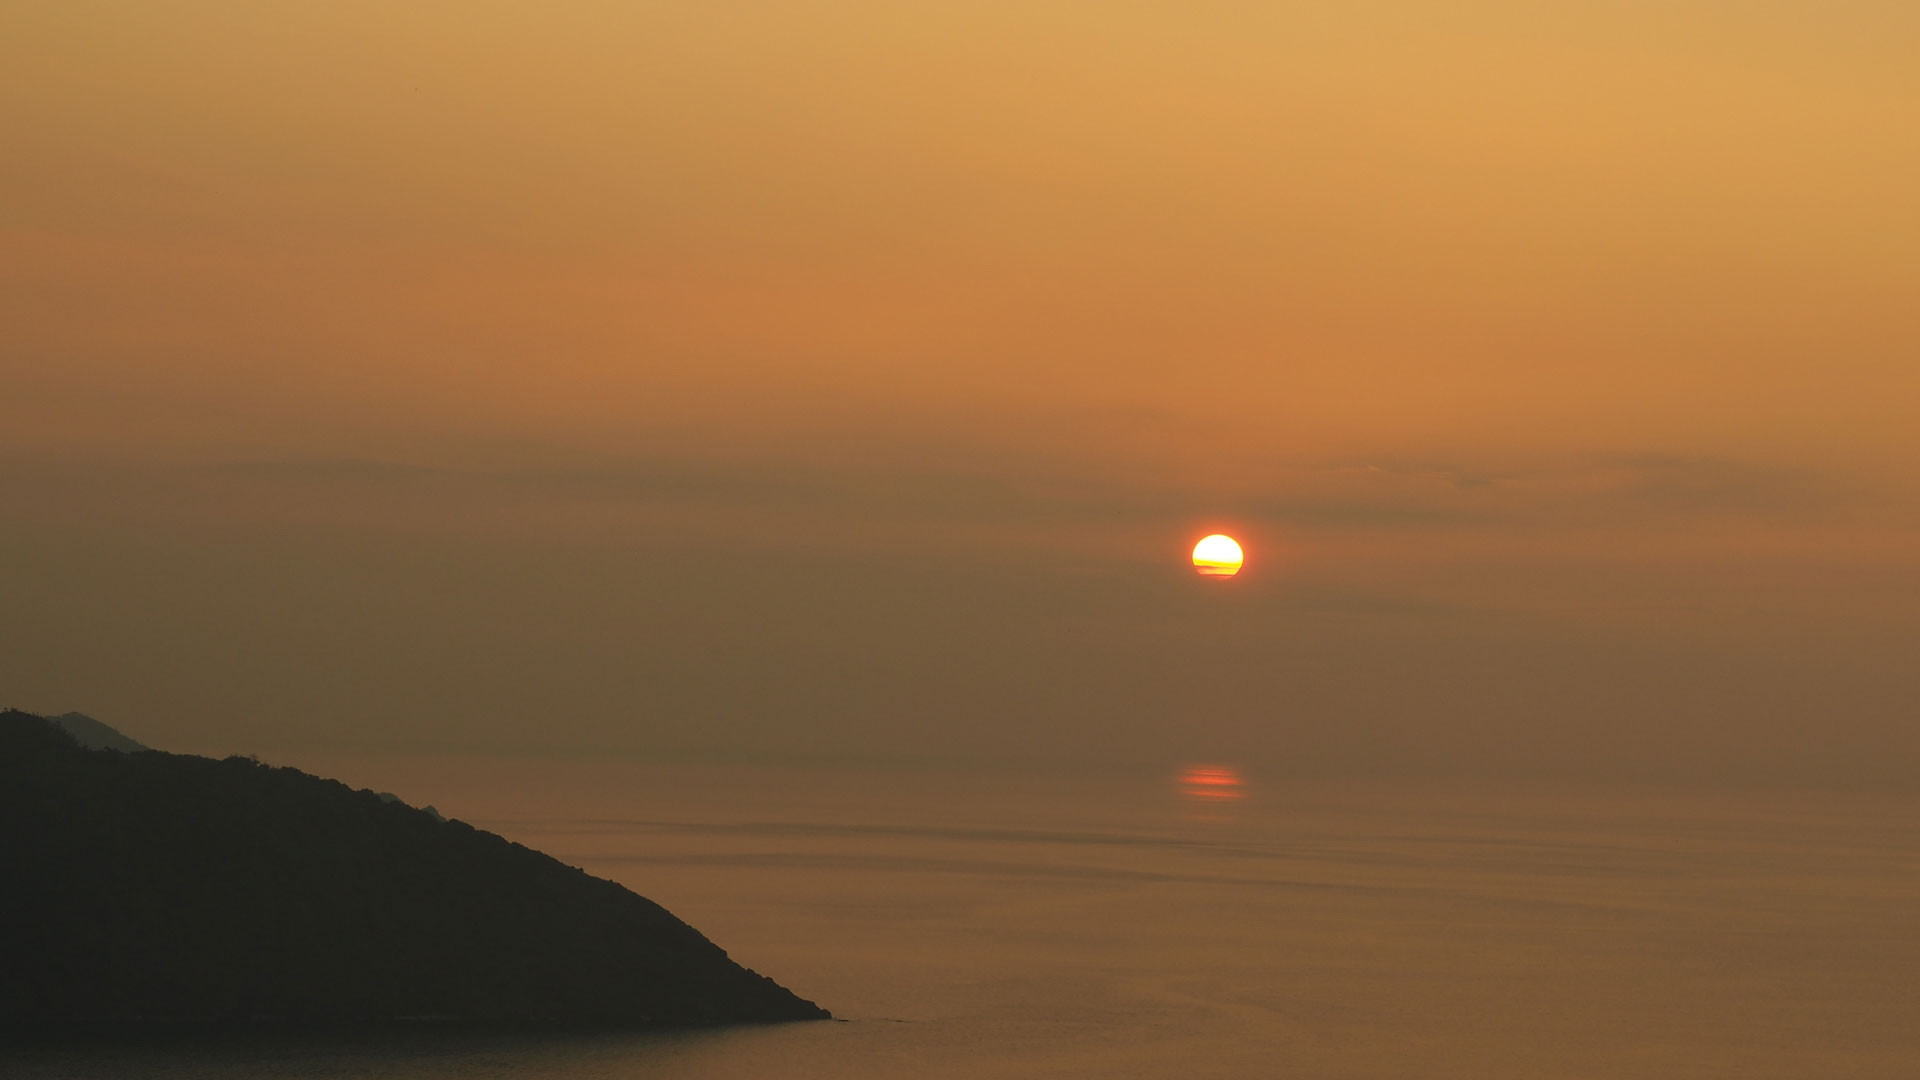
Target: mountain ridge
{"x":94,"y":735}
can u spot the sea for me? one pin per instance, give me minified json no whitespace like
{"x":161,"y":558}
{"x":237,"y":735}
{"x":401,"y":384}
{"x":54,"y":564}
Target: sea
{"x":1199,"y":921}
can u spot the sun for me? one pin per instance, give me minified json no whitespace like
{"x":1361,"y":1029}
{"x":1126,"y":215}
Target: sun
{"x":1217,"y":556}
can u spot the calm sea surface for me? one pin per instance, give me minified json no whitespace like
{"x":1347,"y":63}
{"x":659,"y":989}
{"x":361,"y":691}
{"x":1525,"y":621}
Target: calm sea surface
{"x":1024,"y":925}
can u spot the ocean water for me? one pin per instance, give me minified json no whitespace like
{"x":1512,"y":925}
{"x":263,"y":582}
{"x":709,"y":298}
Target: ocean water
{"x":980,"y":924}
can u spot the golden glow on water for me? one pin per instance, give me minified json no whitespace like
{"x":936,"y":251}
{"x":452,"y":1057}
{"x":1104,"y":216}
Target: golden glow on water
{"x":1110,"y":939}
{"x":1217,"y":556}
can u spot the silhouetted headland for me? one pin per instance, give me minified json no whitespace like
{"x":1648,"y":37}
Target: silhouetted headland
{"x":153,"y":888}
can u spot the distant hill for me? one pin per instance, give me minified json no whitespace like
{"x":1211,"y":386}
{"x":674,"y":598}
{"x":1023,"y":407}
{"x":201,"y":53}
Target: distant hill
{"x":93,"y":734}
{"x":163,"y":888}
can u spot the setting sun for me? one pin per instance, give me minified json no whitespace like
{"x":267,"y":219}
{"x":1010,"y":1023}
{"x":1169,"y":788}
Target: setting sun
{"x":1217,"y":556}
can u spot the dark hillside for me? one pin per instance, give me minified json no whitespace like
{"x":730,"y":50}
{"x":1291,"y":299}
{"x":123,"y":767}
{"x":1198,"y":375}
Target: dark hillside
{"x":157,"y":887}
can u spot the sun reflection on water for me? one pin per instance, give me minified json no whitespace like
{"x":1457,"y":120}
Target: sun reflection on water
{"x":1209,"y":790}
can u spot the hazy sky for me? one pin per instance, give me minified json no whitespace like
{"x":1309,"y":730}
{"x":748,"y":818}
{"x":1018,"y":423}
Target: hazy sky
{"x":841,"y":380}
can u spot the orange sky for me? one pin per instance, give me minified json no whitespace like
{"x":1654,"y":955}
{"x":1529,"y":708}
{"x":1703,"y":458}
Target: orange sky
{"x":1600,"y":320}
